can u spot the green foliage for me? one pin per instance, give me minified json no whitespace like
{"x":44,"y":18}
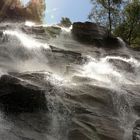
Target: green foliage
{"x":121,"y":17}
{"x":129,"y":29}
{"x":65,"y":22}
{"x":106,"y":12}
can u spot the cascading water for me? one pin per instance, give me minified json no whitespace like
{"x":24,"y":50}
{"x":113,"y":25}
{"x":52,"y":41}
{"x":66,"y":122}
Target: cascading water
{"x":83,"y":92}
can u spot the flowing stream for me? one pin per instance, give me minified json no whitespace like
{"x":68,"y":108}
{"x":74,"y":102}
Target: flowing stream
{"x":56,"y":88}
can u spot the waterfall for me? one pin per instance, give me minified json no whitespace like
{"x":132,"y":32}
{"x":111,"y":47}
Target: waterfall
{"x":57,"y":88}
{"x":122,"y":43}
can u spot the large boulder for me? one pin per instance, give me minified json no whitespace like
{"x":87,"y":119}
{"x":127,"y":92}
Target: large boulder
{"x":92,"y":33}
{"x":88,"y":31}
{"x":17,"y":95}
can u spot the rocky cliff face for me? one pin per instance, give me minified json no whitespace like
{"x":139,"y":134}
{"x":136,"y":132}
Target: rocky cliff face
{"x":54,"y":88}
{"x":92,"y":33}
{"x":15,"y":10}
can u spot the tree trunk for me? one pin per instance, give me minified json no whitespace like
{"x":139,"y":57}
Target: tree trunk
{"x":109,"y":17}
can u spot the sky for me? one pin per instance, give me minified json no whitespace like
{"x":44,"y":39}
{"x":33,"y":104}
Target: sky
{"x":76,"y":10}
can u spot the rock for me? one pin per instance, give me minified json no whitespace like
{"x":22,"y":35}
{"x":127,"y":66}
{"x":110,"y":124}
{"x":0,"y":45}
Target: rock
{"x":92,"y":33}
{"x":41,"y":32}
{"x":17,"y":95}
{"x":57,"y":50}
{"x":53,"y":30}
{"x":70,"y":56}
{"x":50,"y":31}
{"x":79,"y":135}
{"x":111,"y":42}
{"x":88,"y":32}
{"x":136,"y":108}
{"x":136,"y":130}
{"x":122,"y":65}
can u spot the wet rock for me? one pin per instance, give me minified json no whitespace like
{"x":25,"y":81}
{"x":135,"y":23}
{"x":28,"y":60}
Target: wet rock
{"x":37,"y":31}
{"x":72,"y":53}
{"x":122,"y":65}
{"x":94,"y":109}
{"x":82,"y":113}
{"x":136,"y":130}
{"x":136,"y":108}
{"x":111,"y":42}
{"x":66,"y":55}
{"x":33,"y":30}
{"x":78,"y":135}
{"x":92,"y":33}
{"x":16,"y":95}
{"x":41,"y":32}
{"x":88,"y":32}
{"x":53,"y":31}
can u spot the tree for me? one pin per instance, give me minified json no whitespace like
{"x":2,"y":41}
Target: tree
{"x":65,"y":22}
{"x":106,"y":12}
{"x":129,"y":29}
{"x":15,"y":10}
{"x":36,"y":9}
{"x":133,"y":19}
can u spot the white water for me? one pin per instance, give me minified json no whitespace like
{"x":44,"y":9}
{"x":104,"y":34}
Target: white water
{"x":101,"y":69}
{"x":131,"y":60}
{"x":96,"y":68}
{"x":26,"y":40}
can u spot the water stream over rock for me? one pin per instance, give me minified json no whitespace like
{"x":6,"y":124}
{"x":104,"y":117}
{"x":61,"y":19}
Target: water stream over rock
{"x":53,"y":87}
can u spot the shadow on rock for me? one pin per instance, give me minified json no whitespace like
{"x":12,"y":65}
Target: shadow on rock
{"x":18,"y":96}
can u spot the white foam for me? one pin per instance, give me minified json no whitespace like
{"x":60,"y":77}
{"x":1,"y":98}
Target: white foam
{"x":100,"y":71}
{"x":65,"y":29}
{"x":26,"y":40}
{"x":127,"y":60}
{"x":29,"y":23}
